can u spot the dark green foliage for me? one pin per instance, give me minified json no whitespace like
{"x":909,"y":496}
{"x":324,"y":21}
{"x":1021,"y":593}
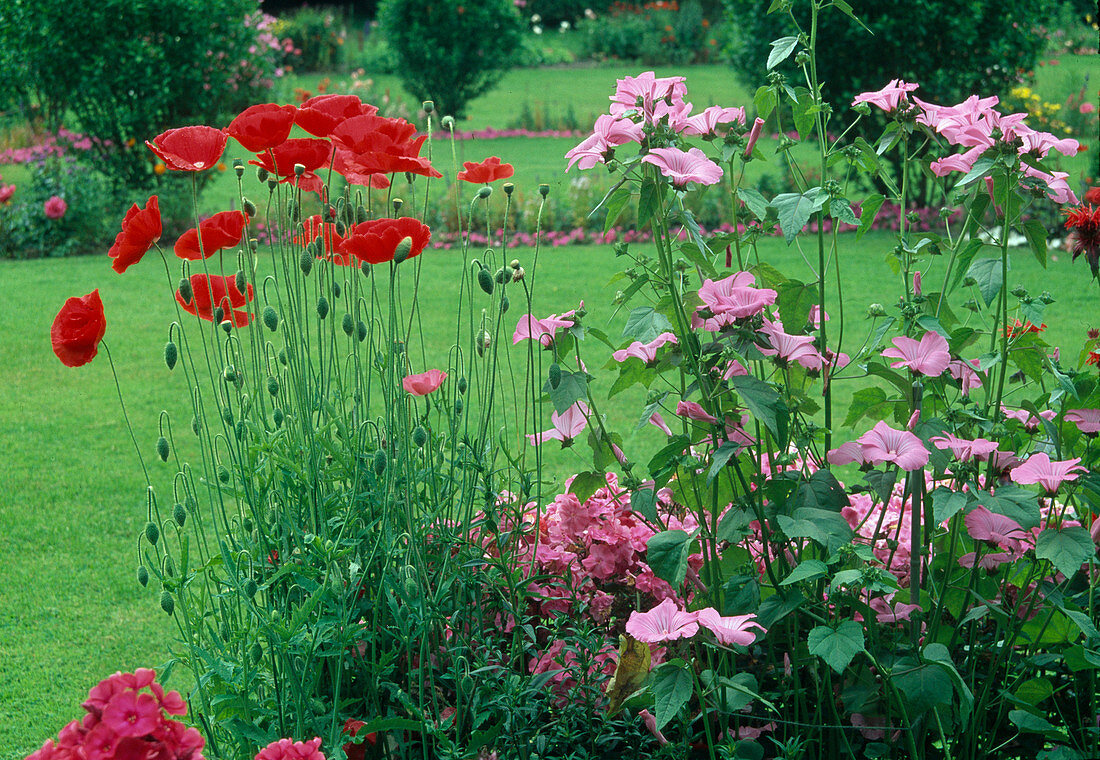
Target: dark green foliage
{"x":451,"y":51}
{"x":317,"y":34}
{"x":648,"y":35}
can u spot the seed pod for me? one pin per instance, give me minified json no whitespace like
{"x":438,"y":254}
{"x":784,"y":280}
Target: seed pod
{"x":322,"y":307}
{"x":428,"y":106}
{"x":162,"y":448}
{"x":504,"y":304}
{"x":305,"y":262}
{"x":223,"y":474}
{"x":272,"y":385}
{"x":282,"y":357}
{"x":397,"y":204}
{"x":544,"y":190}
{"x":171,"y":354}
{"x":459,"y":406}
{"x":166,"y":602}
{"x":419,"y":436}
{"x":509,"y":188}
{"x":261,"y":174}
{"x":238,"y":167}
{"x":361,"y":331}
{"x":462,"y":385}
{"x":277,"y":417}
{"x":514,"y":263}
{"x":239,"y":280}
{"x":379,"y":462}
{"x":218,"y":314}
{"x":142,"y":575}
{"x":195,"y":426}
{"x":271,"y":318}
{"x":152,"y":532}
{"x":250,"y":588}
{"x":555,"y":376}
{"x":227,"y":326}
{"x":485,"y":280}
{"x":249,"y":207}
{"x":179,"y":514}
{"x":347,"y":324}
{"x":185,"y":290}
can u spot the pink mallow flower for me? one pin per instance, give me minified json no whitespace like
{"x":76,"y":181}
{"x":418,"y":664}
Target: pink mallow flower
{"x":730,"y":630}
{"x":706,"y":123}
{"x":1050,"y":475}
{"x":542,"y":330}
{"x":883,"y":444}
{"x":647,"y":352}
{"x":683,"y":167}
{"x":890,"y":97}
{"x":930,"y":356}
{"x":964,"y":372}
{"x":788,"y":349}
{"x":754,"y":135}
{"x":643,"y":92}
{"x":1030,"y":422}
{"x":607,"y":133}
{"x":567,"y":425}
{"x":55,"y":207}
{"x":694,"y":411}
{"x":1086,"y":420}
{"x":964,"y":450}
{"x":731,"y":298}
{"x":665,"y":622}
{"x":423,"y":383}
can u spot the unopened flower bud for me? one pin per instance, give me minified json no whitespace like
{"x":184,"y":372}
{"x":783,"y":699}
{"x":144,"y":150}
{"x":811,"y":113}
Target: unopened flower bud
{"x":485,"y":280}
{"x":262,"y":174}
{"x":1019,"y":291}
{"x":862,"y":108}
{"x":429,"y":106}
{"x":448,"y":122}
{"x":166,"y":602}
{"x":238,"y":167}
{"x":484,"y":192}
{"x":876,"y":310}
{"x":340,"y":227}
{"x":483,"y":341}
{"x":152,"y":532}
{"x":239,"y":280}
{"x":347,"y":324}
{"x":403,"y":249}
{"x":544,"y":190}
{"x":299,"y":170}
{"x":162,"y":448}
{"x":223,"y":473}
{"x":1046,"y":297}
{"x":218,"y":314}
{"x":379,"y":462}
{"x":419,"y":436}
{"x":250,"y":588}
{"x":271,"y":318}
{"x":361,"y":214}
{"x":185,"y":290}
{"x":555,"y":376}
{"x":509,"y":188}
{"x":504,"y":304}
{"x":518,"y":274}
{"x":277,"y":417}
{"x":322,"y":307}
{"x":462,"y":385}
{"x":499,"y":276}
{"x":361,"y":331}
{"x":305,"y":262}
{"x":195,"y":426}
{"x":142,"y":575}
{"x":397,"y":204}
{"x":170,"y":354}
{"x":248,"y":206}
{"x":272,"y":385}
{"x":459,"y":405}
{"x":282,"y":357}
{"x":229,"y":374}
{"x":802,"y":58}
{"x":179,"y":514}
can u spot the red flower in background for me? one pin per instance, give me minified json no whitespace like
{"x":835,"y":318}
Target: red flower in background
{"x":307,"y":151}
{"x":320,"y":115}
{"x":262,"y":126}
{"x":55,"y":207}
{"x":189,"y":149}
{"x":141,"y":228}
{"x":356,"y":751}
{"x":1092,"y":195}
{"x":222,"y":230}
{"x":489,"y":170}
{"x":77,"y":330}
{"x":1018,"y":328}
{"x":313,"y":228}
{"x":215,"y":291}
{"x":1083,"y":223}
{"x":376,"y":241}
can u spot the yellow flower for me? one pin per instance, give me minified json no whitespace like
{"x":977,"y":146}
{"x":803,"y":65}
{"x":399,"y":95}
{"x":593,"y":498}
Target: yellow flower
{"x":159,"y":169}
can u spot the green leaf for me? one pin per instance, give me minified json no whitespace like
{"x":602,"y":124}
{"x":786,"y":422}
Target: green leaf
{"x":980,"y":168}
{"x":765,"y":101}
{"x":864,"y":402}
{"x":630,"y":372}
{"x":572,"y":387}
{"x":922,"y":686}
{"x":644,"y":502}
{"x":1066,"y":548}
{"x":820,"y":491}
{"x":829,"y":529}
{"x":615,"y":205}
{"x":721,"y":458}
{"x":672,"y":688}
{"x":989,"y":276}
{"x":882,"y":481}
{"x":946,"y":503}
{"x":840,"y":210}
{"x":807,"y":570}
{"x":1036,"y":235}
{"x":795,"y":209}
{"x":939,"y":654}
{"x":963,"y":261}
{"x":667,"y":555}
{"x":754,"y":202}
{"x":1034,"y":724}
{"x":645,"y":323}
{"x":795,"y":299}
{"x":587,"y":483}
{"x":652,"y":194}
{"x":765,"y":405}
{"x":803,"y":111}
{"x":837,"y":646}
{"x":781,"y":49}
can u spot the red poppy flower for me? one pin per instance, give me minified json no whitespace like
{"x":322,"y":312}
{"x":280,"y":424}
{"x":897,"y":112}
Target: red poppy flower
{"x":489,"y":170}
{"x":313,"y":228}
{"x":189,"y":149}
{"x":214,"y":291}
{"x":423,"y":383}
{"x":262,"y":126}
{"x":320,"y":114}
{"x":222,"y":230}
{"x":376,"y":241}
{"x":377,"y":145}
{"x":355,"y":751}
{"x":307,"y":151}
{"x":77,"y":330}
{"x":140,"y":229}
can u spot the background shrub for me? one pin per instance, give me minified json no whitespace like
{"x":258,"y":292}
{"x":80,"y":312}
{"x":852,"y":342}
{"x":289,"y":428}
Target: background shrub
{"x":318,"y":36}
{"x":659,"y":32}
{"x":451,"y":51}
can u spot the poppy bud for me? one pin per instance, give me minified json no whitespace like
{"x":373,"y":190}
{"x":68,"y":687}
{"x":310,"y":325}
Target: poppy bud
{"x":195,"y":427}
{"x":142,"y":575}
{"x":185,"y":290}
{"x":335,"y":290}
{"x":229,"y":374}
{"x":509,"y":188}
{"x":379,"y":462}
{"x":262,"y":174}
{"x":518,"y":274}
{"x":248,"y":206}
{"x":223,"y":473}
{"x":403,"y":249}
{"x":162,"y":448}
{"x":293,"y":211}
{"x":257,"y":652}
{"x":240,"y":430}
{"x":458,"y":406}
{"x":152,"y":532}
{"x":448,"y":122}
{"x":170,"y":354}
{"x":514,"y":263}
{"x":239,"y":280}
{"x":322,"y":307}
{"x":544,"y":190}
{"x":250,"y":588}
{"x":499,"y":276}
{"x":484,"y":340}
{"x":282,"y":357}
{"x":361,"y":331}
{"x":462,"y":385}
{"x":340,"y":227}
{"x":876,"y":310}
{"x":348,"y":324}
{"x":397,"y":204}
{"x":429,"y":106}
{"x":409,"y":178}
{"x":277,"y":417}
{"x":218,"y":314}
{"x":305,"y":262}
{"x":179,"y":514}
{"x":271,"y":318}
{"x":361,"y":214}
{"x":485,"y":280}
{"x":238,"y":167}
{"x":419,"y":436}
{"x":504,"y":304}
{"x":272,"y":183}
{"x":299,"y":170}
{"x":166,"y":602}
{"x":555,"y":376}
{"x":272,"y":386}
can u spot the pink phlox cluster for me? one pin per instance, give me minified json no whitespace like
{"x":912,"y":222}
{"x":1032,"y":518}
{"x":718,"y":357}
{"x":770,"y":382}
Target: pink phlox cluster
{"x":565,"y":660}
{"x":127,"y":718}
{"x":881,"y":525}
{"x":647,"y":352}
{"x":285,"y":749}
{"x":889,"y":98}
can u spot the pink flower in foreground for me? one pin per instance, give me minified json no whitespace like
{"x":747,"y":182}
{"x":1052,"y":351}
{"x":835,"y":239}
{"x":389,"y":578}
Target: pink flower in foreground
{"x":733,"y":297}
{"x":930,"y":356}
{"x":683,"y":167}
{"x":730,"y":630}
{"x":542,"y":330}
{"x":650,"y":721}
{"x":1086,"y":420}
{"x":607,"y":133}
{"x":424,"y":383}
{"x":55,"y":207}
{"x":694,"y":411}
{"x":643,"y":92}
{"x":880,"y":445}
{"x":964,"y":372}
{"x":1050,"y":475}
{"x":567,"y":425}
{"x":665,"y":622}
{"x":1030,"y":422}
{"x":657,"y":420}
{"x":983,"y":525}
{"x":963,"y":449}
{"x":890,"y":97}
{"x":706,"y":123}
{"x":285,"y":749}
{"x":647,"y":352}
{"x":788,"y":349}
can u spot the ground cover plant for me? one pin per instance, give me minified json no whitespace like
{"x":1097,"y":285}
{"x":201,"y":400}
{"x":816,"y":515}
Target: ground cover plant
{"x":361,"y":539}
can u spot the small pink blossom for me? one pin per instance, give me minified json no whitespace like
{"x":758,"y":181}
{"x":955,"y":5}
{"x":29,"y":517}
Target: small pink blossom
{"x":682,"y":167}
{"x":964,"y":450}
{"x":1030,"y":422}
{"x":930,"y":356}
{"x":890,"y":97}
{"x":285,"y":749}
{"x":55,"y":207}
{"x":965,"y":373}
{"x":6,"y":192}
{"x":665,"y":622}
{"x":542,"y":330}
{"x":1086,"y":420}
{"x":790,"y":349}
{"x":754,"y":135}
{"x":983,"y":525}
{"x":730,"y":630}
{"x":733,"y":297}
{"x":566,"y":426}
{"x":1050,"y":475}
{"x":607,"y":133}
{"x":650,"y":721}
{"x":659,"y":421}
{"x":694,"y":411}
{"x":706,"y":123}
{"x":424,"y":383}
{"x":647,"y":352}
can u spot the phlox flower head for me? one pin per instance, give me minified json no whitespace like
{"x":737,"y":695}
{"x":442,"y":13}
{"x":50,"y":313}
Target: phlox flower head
{"x":285,"y":749}
{"x":929,"y":356}
{"x":683,"y":167}
{"x":1050,"y":475}
{"x":665,"y":622}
